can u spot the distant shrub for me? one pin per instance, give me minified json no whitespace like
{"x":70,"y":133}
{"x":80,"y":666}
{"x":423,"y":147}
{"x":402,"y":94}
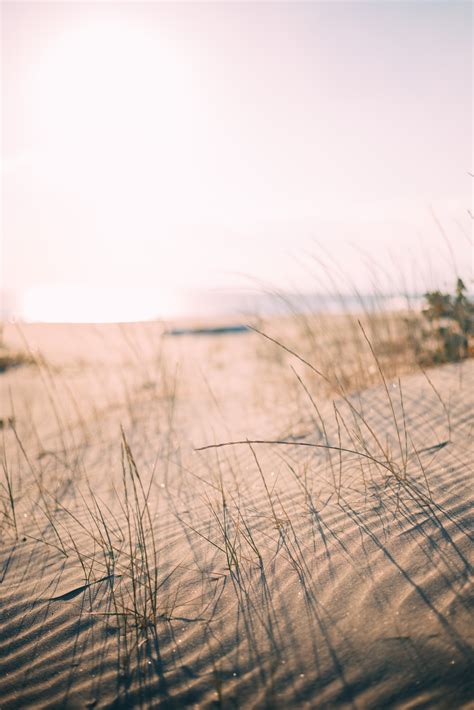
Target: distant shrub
{"x":13,"y":359}
{"x":451,"y":326}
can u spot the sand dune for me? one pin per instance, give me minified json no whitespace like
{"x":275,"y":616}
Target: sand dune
{"x":284,"y":575}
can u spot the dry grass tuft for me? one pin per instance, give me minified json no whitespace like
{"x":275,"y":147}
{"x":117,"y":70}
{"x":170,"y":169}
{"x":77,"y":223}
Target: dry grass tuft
{"x":12,"y":358}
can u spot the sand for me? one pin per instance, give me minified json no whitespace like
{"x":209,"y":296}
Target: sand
{"x":288,"y":575}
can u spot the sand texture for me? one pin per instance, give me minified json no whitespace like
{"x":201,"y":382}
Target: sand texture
{"x":136,"y":571}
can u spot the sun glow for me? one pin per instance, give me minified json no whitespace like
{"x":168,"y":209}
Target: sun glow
{"x":100,"y":78}
{"x":112,"y":102}
{"x":79,"y":304}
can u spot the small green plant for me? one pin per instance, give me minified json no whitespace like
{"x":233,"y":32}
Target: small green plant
{"x":451,"y":321}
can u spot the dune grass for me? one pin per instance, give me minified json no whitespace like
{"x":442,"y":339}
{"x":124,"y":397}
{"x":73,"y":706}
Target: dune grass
{"x":112,"y":535}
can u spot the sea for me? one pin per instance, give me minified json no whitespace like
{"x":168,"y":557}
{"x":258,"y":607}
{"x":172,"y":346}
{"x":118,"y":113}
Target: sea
{"x":73,"y":304}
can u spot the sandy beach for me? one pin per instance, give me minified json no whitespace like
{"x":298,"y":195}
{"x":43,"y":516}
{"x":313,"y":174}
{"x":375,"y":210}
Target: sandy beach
{"x":329,"y":568}
{"x":236,"y":355}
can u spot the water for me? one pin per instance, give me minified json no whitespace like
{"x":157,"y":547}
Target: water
{"x":73,"y":304}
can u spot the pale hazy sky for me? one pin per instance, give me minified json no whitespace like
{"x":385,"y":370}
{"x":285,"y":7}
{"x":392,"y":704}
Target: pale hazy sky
{"x":175,"y":145}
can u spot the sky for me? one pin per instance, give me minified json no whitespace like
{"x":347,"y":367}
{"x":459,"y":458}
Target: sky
{"x":153,"y":148}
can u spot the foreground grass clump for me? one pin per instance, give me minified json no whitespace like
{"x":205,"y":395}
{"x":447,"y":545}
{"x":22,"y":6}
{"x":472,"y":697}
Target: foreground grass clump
{"x":178,"y":562}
